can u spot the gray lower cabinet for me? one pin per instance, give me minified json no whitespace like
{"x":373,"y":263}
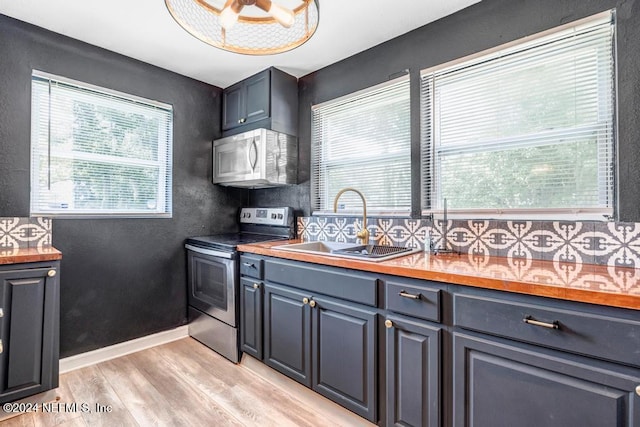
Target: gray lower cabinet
{"x":327,"y":343}
{"x":504,"y":383}
{"x":287,"y":332}
{"x":344,"y":354}
{"x":324,"y":343}
{"x":29,"y":337}
{"x":413,"y":372}
{"x":251,"y":316}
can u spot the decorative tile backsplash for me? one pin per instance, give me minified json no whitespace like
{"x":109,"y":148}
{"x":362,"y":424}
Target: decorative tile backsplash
{"x":589,"y":242}
{"x":22,"y":233}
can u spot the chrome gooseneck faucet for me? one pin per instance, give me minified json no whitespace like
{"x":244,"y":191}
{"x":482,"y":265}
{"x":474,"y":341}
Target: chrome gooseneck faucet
{"x":363,"y":234}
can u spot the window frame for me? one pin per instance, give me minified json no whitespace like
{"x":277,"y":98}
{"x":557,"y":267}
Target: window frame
{"x":428,"y":137}
{"x":316,"y":209}
{"x":163,"y":164}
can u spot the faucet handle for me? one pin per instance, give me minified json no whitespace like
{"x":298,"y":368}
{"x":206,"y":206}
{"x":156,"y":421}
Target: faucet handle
{"x":363,"y":234}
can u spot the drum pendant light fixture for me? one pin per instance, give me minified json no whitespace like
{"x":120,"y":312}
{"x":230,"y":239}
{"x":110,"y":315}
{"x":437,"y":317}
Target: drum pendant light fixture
{"x":251,"y":27}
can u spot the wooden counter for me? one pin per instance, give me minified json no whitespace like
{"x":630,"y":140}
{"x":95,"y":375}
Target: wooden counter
{"x":17,"y":256}
{"x":597,"y":284}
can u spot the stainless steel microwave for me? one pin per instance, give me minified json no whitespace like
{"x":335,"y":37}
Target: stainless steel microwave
{"x":259,"y":158}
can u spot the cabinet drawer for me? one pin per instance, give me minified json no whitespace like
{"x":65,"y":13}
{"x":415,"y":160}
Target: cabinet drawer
{"x":412,"y":300}
{"x":251,"y":266}
{"x":580,"y":332}
{"x":347,"y":285}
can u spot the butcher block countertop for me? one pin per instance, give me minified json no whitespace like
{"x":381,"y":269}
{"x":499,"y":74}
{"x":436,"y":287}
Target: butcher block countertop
{"x":597,"y":284}
{"x":17,"y":256}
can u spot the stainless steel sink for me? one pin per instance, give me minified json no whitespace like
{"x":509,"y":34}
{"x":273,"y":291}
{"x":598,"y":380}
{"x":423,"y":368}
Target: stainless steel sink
{"x":373,"y":253}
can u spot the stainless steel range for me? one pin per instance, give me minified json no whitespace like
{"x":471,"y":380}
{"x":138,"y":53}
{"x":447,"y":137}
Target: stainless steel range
{"x":213,"y":276}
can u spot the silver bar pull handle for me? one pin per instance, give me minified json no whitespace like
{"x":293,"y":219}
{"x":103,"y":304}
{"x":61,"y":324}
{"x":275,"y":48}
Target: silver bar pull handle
{"x":254,"y":162}
{"x":531,"y":321}
{"x":406,"y":294}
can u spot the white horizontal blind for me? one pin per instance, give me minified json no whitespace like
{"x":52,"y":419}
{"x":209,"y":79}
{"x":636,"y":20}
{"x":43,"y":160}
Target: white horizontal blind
{"x":363,"y":141}
{"x":95,"y":152}
{"x":529,"y":128}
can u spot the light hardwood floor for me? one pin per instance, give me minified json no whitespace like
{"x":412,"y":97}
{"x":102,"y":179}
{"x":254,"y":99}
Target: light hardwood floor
{"x":184,"y":383}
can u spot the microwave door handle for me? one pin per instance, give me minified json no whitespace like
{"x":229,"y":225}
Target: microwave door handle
{"x":254,"y":148}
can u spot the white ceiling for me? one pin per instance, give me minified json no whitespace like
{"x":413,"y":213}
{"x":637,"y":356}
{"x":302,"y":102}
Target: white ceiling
{"x":144,"y":29}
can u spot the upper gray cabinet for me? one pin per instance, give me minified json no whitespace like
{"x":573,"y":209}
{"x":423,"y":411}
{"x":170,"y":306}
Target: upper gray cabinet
{"x":268,"y":100}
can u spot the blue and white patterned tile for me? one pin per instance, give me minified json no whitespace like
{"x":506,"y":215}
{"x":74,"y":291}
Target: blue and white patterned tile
{"x":468,"y":237}
{"x":497,"y":238}
{"x":301,"y":228}
{"x":8,"y":240}
{"x":617,"y":244}
{"x":522,"y":236}
{"x":437,"y":233}
{"x":22,"y":232}
{"x":40,"y":232}
{"x":400,"y":232}
{"x":566,"y":241}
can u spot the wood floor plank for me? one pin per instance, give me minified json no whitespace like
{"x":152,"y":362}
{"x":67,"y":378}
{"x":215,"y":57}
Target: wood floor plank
{"x":190,"y":404}
{"x":57,"y":418}
{"x":23,"y":420}
{"x":146,"y":404}
{"x":90,"y":388}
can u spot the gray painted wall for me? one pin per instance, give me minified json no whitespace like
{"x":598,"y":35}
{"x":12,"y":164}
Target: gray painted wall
{"x":482,"y":26}
{"x":120,"y":278}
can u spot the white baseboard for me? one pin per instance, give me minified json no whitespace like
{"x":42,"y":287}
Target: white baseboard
{"x":122,"y":349}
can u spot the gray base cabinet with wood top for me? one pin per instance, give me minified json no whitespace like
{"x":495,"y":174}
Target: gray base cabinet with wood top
{"x":501,"y":383}
{"x":413,"y":373}
{"x":328,"y":344}
{"x":532,"y":361}
{"x":447,"y":355}
{"x":29,"y":331}
{"x":344,"y":354}
{"x":287,"y":332}
{"x":251,"y":316}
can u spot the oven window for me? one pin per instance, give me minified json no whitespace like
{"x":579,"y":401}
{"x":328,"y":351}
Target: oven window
{"x":210,"y":282}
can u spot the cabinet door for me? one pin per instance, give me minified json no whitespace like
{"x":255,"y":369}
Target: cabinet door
{"x":413,"y":373}
{"x":233,"y":106}
{"x":251,"y":317}
{"x":501,"y":383}
{"x":28,"y":328}
{"x":287,"y":333}
{"x":344,"y":355}
{"x":257,"y":93}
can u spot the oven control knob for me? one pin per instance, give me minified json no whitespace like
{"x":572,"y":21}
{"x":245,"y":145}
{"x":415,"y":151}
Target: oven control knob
{"x":280,"y":216}
{"x":248,"y":214}
{"x":273,"y":216}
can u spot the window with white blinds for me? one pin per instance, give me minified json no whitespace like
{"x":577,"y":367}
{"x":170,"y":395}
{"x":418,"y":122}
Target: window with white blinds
{"x":97,"y":152}
{"x":363,"y":140}
{"x":529,"y":128}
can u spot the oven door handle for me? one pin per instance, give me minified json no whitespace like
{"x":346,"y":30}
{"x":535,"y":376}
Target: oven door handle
{"x":227,"y":255}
